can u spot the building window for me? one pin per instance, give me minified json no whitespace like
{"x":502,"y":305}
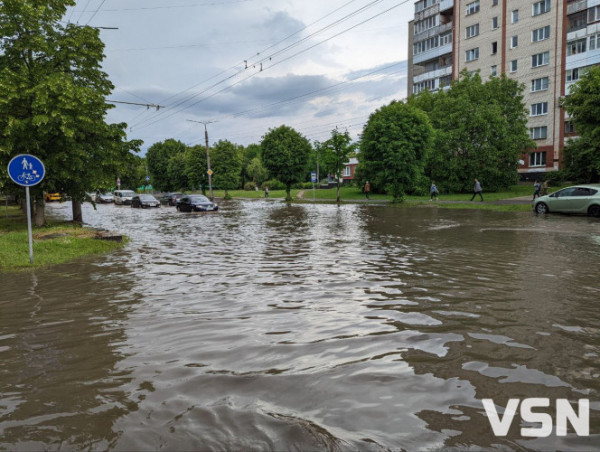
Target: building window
{"x":494,"y":23}
{"x":494,"y":48}
{"x":537,"y":159}
{"x":539,"y":109}
{"x":540,"y":34}
{"x":473,"y":8}
{"x":540,"y":59}
{"x":426,"y":24}
{"x":595,"y":42}
{"x":515,"y":16}
{"x":569,"y":128}
{"x":494,"y":71}
{"x":494,"y":2}
{"x":572,"y":75}
{"x":473,"y":30}
{"x":538,"y":133}
{"x":593,"y":14}
{"x":424,"y":4}
{"x":541,"y":7}
{"x":513,"y":66}
{"x":575,"y":47}
{"x":347,"y":171}
{"x":514,"y":42}
{"x":472,"y":54}
{"x":539,"y":84}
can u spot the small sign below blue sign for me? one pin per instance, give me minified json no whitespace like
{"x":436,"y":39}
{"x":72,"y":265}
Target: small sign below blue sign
{"x":313,"y":177}
{"x":26,"y":170}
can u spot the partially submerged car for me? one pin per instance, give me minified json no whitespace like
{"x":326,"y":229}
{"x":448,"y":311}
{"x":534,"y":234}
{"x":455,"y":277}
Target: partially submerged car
{"x":144,"y":201}
{"x":196,"y":203}
{"x":582,"y":199}
{"x":171,"y":198}
{"x":123,"y":197}
{"x":105,"y":198}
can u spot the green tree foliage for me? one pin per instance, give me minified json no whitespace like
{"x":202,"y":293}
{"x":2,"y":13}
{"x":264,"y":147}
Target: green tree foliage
{"x":480,"y":132}
{"x":196,"y":167}
{"x":394,"y":144}
{"x":158,"y":158}
{"x":582,"y":155}
{"x":249,"y":153}
{"x":52,"y":99}
{"x":134,"y":174}
{"x":257,"y":171}
{"x":226,"y":162}
{"x":176,"y":171}
{"x":285,"y":155}
{"x":334,"y":153}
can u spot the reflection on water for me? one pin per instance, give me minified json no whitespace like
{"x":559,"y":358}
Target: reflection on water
{"x":266,"y":326}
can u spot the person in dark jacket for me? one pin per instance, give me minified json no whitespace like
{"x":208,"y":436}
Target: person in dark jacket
{"x":477,"y":190}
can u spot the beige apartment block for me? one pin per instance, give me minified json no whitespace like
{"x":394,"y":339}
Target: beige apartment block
{"x":544,"y":44}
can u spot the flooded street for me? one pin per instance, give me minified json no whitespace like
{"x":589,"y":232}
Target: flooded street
{"x":311,"y":327}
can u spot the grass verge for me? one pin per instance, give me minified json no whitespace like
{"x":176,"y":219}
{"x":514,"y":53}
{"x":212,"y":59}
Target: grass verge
{"x":52,"y":244}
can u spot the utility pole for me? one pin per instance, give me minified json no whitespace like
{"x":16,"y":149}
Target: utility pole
{"x":208,"y":171}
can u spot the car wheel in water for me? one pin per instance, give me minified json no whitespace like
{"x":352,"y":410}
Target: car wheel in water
{"x":594,"y":211}
{"x":541,"y":208}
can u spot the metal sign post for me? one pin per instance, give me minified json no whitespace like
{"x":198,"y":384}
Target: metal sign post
{"x":313,"y":179}
{"x":26,"y":170}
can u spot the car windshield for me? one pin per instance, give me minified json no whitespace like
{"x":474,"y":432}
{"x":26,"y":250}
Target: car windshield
{"x":106,"y":194}
{"x":199,"y":198}
{"x":127,"y":193}
{"x":147,"y":198}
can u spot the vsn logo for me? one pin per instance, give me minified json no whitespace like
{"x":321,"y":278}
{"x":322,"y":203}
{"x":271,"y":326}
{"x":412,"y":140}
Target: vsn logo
{"x":564,"y":411}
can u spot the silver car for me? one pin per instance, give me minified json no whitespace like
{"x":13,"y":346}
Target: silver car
{"x":583,"y":199}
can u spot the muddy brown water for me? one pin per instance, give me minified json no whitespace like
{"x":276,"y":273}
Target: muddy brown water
{"x":307,"y":327}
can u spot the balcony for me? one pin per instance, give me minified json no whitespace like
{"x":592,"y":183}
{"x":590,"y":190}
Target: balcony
{"x":575,"y":7}
{"x":435,"y":31}
{"x":448,"y":4}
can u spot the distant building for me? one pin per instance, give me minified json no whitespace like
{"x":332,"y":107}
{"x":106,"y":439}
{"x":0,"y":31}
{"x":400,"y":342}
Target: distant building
{"x":545,"y":44}
{"x":349,"y":169}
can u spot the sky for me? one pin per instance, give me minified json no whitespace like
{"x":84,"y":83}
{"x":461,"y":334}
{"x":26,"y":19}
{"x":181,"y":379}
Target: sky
{"x":247,"y":66}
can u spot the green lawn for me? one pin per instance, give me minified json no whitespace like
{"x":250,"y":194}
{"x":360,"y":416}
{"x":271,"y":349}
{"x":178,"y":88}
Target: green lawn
{"x":69,"y":242}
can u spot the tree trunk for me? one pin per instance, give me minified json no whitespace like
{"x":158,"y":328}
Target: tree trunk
{"x":338,"y":190}
{"x":288,"y":189}
{"x":39,"y":212}
{"x":77,"y":214}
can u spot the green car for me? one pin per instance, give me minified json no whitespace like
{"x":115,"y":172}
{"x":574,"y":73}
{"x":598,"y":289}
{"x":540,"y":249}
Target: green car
{"x":576,"y":199}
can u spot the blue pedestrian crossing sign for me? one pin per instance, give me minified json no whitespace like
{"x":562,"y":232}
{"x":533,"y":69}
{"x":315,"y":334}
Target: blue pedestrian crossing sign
{"x":26,"y":170}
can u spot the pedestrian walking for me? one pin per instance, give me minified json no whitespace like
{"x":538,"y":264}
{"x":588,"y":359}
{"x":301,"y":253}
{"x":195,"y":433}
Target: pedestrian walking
{"x":477,"y":190}
{"x":266,"y":192}
{"x":367,"y":189}
{"x":433,"y":191}
{"x":536,"y":189}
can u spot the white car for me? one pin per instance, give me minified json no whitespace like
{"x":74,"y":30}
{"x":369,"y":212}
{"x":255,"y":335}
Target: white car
{"x":123,"y":197}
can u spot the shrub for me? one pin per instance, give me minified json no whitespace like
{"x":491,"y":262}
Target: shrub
{"x":555,"y":178}
{"x":273,"y":184}
{"x":250,"y":186}
{"x":306,"y":185}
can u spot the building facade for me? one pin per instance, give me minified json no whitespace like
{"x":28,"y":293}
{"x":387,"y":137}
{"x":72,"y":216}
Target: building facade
{"x":544,"y":44}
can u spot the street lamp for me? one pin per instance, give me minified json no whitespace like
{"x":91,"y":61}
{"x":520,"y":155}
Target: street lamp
{"x":208,"y":170}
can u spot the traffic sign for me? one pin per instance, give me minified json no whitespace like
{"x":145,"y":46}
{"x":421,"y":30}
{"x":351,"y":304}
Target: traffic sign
{"x":210,"y":172}
{"x":147,"y":178}
{"x":26,"y":170}
{"x":313,"y":177}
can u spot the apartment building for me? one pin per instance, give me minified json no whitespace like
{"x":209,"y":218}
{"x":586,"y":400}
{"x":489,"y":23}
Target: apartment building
{"x":544,"y":44}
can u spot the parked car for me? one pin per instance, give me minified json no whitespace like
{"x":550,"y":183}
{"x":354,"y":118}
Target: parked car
{"x":144,"y":201}
{"x":49,"y":197}
{"x":105,"y":198}
{"x":171,"y":198}
{"x":583,"y":199}
{"x":196,"y":203}
{"x":123,"y":196}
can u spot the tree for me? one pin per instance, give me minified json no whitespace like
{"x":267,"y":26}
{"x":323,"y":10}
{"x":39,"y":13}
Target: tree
{"x":196,"y":167}
{"x":249,"y":154}
{"x":394,"y":143}
{"x":335,"y":152}
{"x":158,"y":157}
{"x":52,"y":100}
{"x":257,"y":171}
{"x":480,"y":132}
{"x":226,"y":162}
{"x":285,"y":155}
{"x":582,"y":155}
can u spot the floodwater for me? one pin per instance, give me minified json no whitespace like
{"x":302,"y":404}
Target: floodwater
{"x":304,"y":327}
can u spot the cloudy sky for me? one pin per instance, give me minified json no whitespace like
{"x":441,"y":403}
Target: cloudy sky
{"x":249,"y":65}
